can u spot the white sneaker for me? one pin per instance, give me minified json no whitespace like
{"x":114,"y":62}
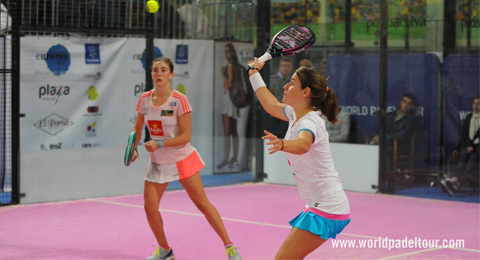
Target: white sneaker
{"x":234,"y":166}
{"x":162,"y":254}
{"x":232,"y":253}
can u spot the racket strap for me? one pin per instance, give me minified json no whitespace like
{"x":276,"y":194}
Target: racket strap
{"x":257,"y":81}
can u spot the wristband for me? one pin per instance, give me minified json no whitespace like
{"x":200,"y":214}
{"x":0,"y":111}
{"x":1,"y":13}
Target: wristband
{"x":281,"y":140}
{"x":160,"y":144}
{"x":252,"y":68}
{"x":257,"y":81}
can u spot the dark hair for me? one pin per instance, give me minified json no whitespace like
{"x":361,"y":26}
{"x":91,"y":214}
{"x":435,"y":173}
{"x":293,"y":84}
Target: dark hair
{"x":235,"y":58}
{"x":414,"y":102}
{"x":322,"y":98}
{"x":166,"y":60}
{"x":285,"y":59}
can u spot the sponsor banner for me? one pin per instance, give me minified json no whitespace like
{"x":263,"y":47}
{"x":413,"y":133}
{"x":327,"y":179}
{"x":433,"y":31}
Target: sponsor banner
{"x":355,"y":80}
{"x":461,"y":83}
{"x":82,"y":93}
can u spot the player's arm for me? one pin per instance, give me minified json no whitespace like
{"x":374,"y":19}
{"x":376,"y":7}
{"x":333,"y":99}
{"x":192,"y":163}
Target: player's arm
{"x":269,"y":102}
{"x":300,"y":145}
{"x":230,"y":76}
{"x":138,"y":129}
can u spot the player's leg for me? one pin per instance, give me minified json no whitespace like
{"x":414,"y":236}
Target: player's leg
{"x":226,"y":141}
{"x":194,"y":188}
{"x":152,"y":193}
{"x":299,"y":244}
{"x":235,"y":142}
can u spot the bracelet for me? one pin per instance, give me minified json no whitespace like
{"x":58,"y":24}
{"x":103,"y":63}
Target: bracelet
{"x":252,"y":68}
{"x":160,"y":144}
{"x":257,"y":81}
{"x":281,"y":140}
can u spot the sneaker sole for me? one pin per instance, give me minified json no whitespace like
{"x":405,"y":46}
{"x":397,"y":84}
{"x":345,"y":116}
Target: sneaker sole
{"x":446,"y":189}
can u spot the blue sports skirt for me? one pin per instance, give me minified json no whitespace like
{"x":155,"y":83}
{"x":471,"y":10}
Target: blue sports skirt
{"x":324,"y":227}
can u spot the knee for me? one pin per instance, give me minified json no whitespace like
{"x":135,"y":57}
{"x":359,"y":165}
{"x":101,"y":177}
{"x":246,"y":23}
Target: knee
{"x":202,"y":205}
{"x":150,"y":209}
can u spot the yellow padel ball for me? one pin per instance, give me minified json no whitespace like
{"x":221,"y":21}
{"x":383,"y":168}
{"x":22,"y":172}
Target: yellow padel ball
{"x":152,"y":6}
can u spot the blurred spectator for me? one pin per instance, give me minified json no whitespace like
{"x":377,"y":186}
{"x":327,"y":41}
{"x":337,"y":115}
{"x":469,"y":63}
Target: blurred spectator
{"x":323,"y":69}
{"x":5,"y":20}
{"x":339,"y":132}
{"x":277,"y":82}
{"x":305,"y":63}
{"x":467,"y":152}
{"x":400,"y":125}
{"x":196,"y":24}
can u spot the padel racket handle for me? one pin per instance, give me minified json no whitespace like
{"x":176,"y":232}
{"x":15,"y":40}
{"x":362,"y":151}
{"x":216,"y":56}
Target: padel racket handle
{"x":265,"y":57}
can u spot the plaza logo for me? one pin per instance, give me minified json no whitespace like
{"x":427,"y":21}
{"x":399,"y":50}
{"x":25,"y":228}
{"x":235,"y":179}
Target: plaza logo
{"x":138,"y":89}
{"x":53,"y":124}
{"x":57,"y":59}
{"x":52,"y":93}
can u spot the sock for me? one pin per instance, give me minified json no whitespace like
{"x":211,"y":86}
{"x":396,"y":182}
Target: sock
{"x":166,"y":247}
{"x":229,"y":244}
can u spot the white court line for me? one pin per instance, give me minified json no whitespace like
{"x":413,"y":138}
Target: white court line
{"x":275,"y":225}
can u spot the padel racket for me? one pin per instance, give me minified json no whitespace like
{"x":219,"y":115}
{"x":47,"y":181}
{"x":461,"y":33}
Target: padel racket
{"x":290,"y":40}
{"x":130,"y":151}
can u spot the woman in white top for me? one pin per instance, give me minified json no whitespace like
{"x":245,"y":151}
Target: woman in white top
{"x":167,"y":114}
{"x":326,"y":213}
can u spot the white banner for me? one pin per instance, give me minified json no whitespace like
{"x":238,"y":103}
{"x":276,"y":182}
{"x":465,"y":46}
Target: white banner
{"x":81,"y":93}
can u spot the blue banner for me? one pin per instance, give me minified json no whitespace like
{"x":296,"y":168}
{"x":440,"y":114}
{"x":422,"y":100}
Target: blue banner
{"x":355,"y":79}
{"x":461,"y":83}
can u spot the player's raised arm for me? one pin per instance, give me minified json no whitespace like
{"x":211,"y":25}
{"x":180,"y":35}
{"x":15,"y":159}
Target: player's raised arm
{"x":267,"y":99}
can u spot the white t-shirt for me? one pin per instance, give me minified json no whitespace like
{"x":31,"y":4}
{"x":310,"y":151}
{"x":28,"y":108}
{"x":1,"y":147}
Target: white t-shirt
{"x":314,"y":171}
{"x":162,"y":124}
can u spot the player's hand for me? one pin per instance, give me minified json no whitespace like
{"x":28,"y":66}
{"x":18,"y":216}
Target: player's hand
{"x":151,"y":146}
{"x":274,"y":141}
{"x":135,"y":156}
{"x":454,"y":154}
{"x":255,"y":64}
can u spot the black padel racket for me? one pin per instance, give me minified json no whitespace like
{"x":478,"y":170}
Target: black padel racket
{"x":290,"y":40}
{"x":130,"y":151}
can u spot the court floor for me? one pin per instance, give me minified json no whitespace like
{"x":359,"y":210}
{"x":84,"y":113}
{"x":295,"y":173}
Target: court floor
{"x":256,"y":216}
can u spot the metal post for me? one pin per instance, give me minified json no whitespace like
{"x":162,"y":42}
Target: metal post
{"x":383,"y":95}
{"x":263,"y":41}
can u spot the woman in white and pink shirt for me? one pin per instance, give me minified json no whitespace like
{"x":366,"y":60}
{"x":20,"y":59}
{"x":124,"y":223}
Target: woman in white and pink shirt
{"x":167,"y":115}
{"x":327,"y":211}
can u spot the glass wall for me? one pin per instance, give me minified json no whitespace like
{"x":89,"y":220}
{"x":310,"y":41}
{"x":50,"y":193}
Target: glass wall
{"x":432,"y":77}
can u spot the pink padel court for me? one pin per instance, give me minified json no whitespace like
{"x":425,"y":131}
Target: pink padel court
{"x":256,"y":217}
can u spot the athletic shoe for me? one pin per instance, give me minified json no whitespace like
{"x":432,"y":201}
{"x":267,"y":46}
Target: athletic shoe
{"x":222,"y":166}
{"x":162,"y":254}
{"x":445,"y":188}
{"x":451,"y":184}
{"x":234,"y":166}
{"x":232,"y":253}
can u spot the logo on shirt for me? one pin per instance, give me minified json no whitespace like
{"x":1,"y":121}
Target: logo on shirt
{"x":166,"y":113}
{"x":172,"y":104}
{"x":155,"y":127}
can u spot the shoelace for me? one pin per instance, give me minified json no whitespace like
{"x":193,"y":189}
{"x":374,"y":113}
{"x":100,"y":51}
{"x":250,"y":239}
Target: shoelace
{"x":231,"y":251}
{"x":159,"y":251}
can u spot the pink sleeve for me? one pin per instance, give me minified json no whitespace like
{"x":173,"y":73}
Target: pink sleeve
{"x":185,"y":105}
